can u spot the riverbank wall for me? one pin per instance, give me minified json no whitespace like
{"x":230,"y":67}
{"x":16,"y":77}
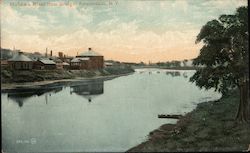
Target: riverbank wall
{"x":210,"y":127}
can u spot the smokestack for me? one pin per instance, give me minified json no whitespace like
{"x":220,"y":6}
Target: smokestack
{"x":51,"y":53}
{"x":46,"y":54}
{"x":60,"y":54}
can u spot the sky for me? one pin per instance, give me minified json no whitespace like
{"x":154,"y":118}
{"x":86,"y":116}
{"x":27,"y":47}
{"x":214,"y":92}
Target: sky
{"x":124,"y":30}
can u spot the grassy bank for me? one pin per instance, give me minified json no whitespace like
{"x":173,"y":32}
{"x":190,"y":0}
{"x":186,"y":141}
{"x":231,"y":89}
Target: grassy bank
{"x":14,"y":76}
{"x":210,"y":127}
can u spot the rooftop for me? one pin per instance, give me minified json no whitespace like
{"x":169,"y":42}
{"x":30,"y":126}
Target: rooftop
{"x":20,"y":57}
{"x":47,"y":61}
{"x":64,"y":63}
{"x":90,"y":52}
{"x":79,"y":59}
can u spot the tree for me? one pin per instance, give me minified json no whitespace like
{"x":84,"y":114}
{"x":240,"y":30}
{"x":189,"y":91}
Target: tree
{"x":176,"y":63}
{"x":225,"y":57}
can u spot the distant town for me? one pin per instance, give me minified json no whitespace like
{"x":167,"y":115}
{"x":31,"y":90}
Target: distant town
{"x":87,"y":60}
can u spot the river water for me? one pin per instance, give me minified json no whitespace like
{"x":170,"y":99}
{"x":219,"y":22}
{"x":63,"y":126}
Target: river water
{"x":97,"y":115}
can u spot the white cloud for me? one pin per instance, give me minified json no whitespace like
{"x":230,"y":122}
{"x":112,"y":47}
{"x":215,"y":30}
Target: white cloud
{"x":18,"y":23}
{"x":122,"y":38}
{"x":140,"y":6}
{"x":181,"y":5}
{"x":221,"y":4}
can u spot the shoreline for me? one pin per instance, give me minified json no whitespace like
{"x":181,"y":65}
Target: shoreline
{"x":167,"y":68}
{"x":209,"y":127}
{"x":38,"y":84}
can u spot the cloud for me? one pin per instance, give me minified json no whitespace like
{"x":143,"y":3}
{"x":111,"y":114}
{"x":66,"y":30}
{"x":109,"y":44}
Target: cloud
{"x":12,"y":19}
{"x":222,"y":4}
{"x":129,"y":32}
{"x":120,"y":43}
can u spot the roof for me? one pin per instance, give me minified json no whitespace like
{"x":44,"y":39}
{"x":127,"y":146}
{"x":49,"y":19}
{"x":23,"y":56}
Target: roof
{"x":64,"y":63}
{"x":58,"y":60}
{"x":108,"y":63}
{"x":79,"y":59}
{"x":47,"y":61}
{"x":20,"y":57}
{"x":90,"y":53}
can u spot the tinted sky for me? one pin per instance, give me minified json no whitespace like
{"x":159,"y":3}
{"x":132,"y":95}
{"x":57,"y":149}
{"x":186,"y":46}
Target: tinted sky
{"x":130,"y":30}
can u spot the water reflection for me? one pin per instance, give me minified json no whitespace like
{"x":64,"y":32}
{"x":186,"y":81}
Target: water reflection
{"x":69,"y":123}
{"x":21,"y":96}
{"x":173,"y":73}
{"x":88,"y":90}
{"x":185,"y":75}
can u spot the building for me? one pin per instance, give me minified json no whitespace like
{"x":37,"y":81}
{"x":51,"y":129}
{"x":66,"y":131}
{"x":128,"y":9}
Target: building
{"x":20,"y":62}
{"x":79,"y":63}
{"x":88,"y":60}
{"x":45,"y":64}
{"x":66,"y":65}
{"x":4,"y":64}
{"x":35,"y":56}
{"x":60,"y":55}
{"x":108,"y":64}
{"x":59,"y":63}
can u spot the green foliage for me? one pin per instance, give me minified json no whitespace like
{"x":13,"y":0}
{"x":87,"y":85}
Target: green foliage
{"x":119,"y":69}
{"x":170,"y":64}
{"x":225,"y":53}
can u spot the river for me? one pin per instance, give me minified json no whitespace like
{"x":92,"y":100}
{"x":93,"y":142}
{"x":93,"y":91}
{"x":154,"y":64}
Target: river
{"x":97,"y":115}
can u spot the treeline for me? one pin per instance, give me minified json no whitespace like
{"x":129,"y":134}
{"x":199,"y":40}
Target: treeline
{"x":175,"y":63}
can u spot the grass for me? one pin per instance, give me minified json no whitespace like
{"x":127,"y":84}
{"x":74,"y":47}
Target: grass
{"x":12,"y":76}
{"x":210,"y":127}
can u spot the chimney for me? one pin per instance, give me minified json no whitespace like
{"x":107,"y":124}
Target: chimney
{"x":89,"y":49}
{"x":46,"y":54}
{"x":51,"y":53}
{"x":60,"y":54}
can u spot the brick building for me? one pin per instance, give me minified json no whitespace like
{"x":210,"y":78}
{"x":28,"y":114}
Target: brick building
{"x":46,"y":64}
{"x":20,"y":62}
{"x":88,"y":60}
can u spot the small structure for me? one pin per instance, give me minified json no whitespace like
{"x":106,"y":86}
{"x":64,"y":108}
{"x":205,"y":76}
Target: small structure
{"x":45,"y":64}
{"x":88,"y":60}
{"x":59,"y":63}
{"x":4,"y":64}
{"x":66,"y":65}
{"x":20,"y":62}
{"x":108,"y":64}
{"x":35,"y":56}
{"x":79,"y":63}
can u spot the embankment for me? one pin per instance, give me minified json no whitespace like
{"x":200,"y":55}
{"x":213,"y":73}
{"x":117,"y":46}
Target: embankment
{"x":15,"y":76}
{"x":210,"y":127}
